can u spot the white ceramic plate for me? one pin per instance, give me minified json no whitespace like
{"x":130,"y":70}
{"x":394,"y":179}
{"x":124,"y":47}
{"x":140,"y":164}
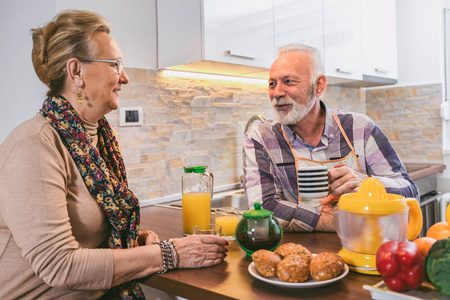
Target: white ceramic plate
{"x":301,"y":285}
{"x":311,"y":196}
{"x":313,"y":189}
{"x":312,"y":174}
{"x":318,"y":168}
{"x":309,"y":184}
{"x":305,"y":179}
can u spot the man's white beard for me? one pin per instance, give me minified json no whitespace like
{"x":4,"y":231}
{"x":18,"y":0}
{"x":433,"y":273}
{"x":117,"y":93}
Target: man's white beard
{"x":297,"y":112}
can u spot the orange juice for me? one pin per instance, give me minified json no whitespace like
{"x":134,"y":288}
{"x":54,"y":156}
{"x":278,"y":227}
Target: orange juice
{"x":196,"y":209}
{"x":228,"y":224}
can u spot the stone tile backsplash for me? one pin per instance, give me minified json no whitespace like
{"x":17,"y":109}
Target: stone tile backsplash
{"x":196,"y":120}
{"x":410,"y":117}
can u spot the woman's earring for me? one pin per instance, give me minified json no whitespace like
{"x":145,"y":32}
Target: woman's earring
{"x":79,"y":96}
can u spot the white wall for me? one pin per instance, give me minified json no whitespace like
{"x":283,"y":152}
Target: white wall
{"x":133,"y":26}
{"x":22,"y":93}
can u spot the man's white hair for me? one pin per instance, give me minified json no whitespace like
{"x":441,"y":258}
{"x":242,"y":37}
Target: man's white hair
{"x":314,"y":54}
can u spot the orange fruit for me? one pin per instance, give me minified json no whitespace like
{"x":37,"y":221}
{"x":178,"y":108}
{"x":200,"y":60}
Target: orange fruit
{"x":425,"y":244}
{"x":443,"y":234}
{"x":436,"y":228}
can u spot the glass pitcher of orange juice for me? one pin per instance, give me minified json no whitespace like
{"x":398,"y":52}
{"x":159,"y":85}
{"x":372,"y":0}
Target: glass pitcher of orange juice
{"x":197,"y":191}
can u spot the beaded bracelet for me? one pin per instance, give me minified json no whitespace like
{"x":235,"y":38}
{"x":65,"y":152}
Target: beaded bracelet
{"x":169,"y":255}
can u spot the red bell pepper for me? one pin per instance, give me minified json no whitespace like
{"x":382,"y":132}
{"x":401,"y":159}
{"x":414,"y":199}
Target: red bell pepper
{"x":401,"y":264}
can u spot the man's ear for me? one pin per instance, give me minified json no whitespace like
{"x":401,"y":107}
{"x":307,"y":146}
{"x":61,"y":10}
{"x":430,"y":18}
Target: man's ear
{"x":321,"y":82}
{"x":74,"y":72}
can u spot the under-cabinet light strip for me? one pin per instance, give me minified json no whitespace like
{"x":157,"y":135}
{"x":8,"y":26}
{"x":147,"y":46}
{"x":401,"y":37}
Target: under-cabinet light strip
{"x":170,"y":73}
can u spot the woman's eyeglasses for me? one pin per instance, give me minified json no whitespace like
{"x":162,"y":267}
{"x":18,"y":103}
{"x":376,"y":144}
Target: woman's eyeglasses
{"x":117,"y":62}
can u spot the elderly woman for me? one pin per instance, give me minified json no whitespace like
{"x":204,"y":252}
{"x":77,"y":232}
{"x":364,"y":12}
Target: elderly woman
{"x":69,"y":224}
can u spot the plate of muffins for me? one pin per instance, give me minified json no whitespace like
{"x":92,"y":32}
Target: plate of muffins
{"x":292,"y":265}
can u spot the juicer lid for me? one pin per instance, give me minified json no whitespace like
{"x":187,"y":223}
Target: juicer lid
{"x":372,"y":198}
{"x":257,"y":212}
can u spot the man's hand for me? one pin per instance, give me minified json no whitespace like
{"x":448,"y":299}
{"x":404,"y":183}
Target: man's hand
{"x":344,"y":180}
{"x":326,"y":222}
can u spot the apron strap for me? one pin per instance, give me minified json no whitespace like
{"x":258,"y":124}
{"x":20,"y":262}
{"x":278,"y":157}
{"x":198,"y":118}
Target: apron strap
{"x":347,"y":140}
{"x":342,"y":131}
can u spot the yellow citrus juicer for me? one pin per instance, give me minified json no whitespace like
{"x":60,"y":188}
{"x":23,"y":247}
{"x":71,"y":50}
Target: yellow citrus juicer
{"x":366,"y":219}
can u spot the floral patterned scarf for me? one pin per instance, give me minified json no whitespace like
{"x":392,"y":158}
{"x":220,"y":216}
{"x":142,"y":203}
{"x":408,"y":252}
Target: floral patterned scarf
{"x":104,"y":174}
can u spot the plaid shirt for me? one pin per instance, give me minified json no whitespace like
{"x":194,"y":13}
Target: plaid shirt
{"x":271,"y":177}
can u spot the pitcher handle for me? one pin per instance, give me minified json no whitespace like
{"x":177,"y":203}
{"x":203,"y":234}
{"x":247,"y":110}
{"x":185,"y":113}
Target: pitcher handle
{"x":415,"y":219}
{"x":211,"y":182}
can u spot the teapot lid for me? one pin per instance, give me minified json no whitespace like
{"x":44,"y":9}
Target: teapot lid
{"x":195,"y":169}
{"x":372,"y":198}
{"x":257,"y":212}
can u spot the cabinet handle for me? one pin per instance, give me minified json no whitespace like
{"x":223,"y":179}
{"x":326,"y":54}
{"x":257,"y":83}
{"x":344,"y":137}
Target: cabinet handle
{"x":241,"y":54}
{"x":384,"y":71}
{"x":344,"y":70}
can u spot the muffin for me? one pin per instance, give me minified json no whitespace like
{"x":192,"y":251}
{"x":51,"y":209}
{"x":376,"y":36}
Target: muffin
{"x":326,"y":265}
{"x":292,"y":248}
{"x":266,"y":262}
{"x":293,"y":268}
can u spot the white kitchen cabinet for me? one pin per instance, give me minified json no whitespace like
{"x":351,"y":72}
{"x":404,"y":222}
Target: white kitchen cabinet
{"x":342,"y":39}
{"x":298,"y":22}
{"x":230,"y":37}
{"x":357,"y":38}
{"x":379,"y":40}
{"x":239,"y":32}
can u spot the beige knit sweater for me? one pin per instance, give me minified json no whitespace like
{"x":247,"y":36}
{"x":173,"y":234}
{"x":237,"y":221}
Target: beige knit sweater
{"x":50,"y":226}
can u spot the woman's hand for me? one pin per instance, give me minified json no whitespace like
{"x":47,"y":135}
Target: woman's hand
{"x":197,"y":251}
{"x":147,"y":238}
{"x":343,"y":179}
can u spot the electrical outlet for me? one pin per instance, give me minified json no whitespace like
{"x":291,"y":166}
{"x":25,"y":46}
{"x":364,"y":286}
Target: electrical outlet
{"x":131,"y":116}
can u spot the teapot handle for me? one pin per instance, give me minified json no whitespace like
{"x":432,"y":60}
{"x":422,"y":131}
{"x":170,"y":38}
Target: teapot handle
{"x":415,"y":219}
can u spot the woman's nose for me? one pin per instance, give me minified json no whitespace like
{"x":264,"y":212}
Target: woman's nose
{"x":124,"y":78}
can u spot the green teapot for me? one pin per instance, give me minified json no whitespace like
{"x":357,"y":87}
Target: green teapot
{"x":258,"y":229}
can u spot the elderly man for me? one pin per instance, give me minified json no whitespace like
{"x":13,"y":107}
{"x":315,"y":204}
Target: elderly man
{"x":306,"y":132}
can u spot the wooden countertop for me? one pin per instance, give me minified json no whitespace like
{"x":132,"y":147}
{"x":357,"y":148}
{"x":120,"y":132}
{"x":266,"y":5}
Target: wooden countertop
{"x":231,"y":279}
{"x":419,"y":170}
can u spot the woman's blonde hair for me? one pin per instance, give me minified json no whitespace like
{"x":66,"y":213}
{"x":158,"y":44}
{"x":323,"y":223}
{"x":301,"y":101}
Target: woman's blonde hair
{"x":69,"y":35}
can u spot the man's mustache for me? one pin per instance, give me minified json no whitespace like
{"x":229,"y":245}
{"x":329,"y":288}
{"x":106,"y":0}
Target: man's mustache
{"x":283,"y":101}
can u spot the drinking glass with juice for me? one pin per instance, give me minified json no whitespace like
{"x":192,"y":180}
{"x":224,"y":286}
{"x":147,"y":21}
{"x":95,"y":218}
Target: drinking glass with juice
{"x":228,"y":218}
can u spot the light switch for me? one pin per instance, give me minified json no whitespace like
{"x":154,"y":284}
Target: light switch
{"x":131,"y":116}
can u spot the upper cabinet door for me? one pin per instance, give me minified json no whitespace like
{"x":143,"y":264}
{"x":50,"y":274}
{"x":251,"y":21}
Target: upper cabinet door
{"x":342,"y":39}
{"x":298,"y":22}
{"x":230,"y":37}
{"x":238,"y":32}
{"x":179,"y":26}
{"x":379,"y":39}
